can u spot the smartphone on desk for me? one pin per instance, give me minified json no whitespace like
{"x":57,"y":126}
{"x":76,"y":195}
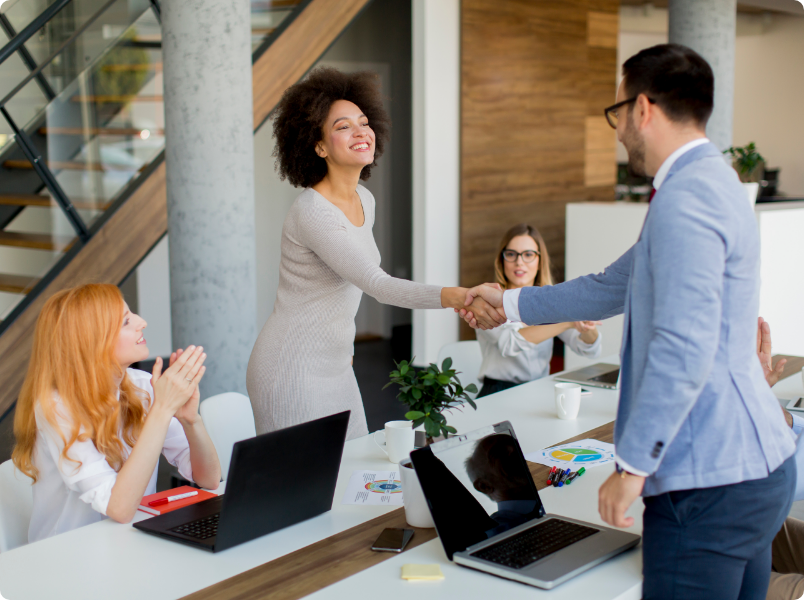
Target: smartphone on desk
{"x":392,"y":540}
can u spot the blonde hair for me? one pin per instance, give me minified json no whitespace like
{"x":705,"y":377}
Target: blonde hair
{"x":74,"y":356}
{"x":543,"y":275}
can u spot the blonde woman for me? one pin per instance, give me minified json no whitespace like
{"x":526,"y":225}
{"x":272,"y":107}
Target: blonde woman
{"x":89,"y":429}
{"x":515,"y":353}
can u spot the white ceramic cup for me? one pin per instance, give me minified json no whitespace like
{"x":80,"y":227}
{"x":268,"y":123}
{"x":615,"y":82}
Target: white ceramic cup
{"x":417,"y":513}
{"x":399,"y":436}
{"x":568,"y":400}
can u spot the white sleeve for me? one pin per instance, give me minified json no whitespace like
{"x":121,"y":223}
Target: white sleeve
{"x":177,"y":449}
{"x":798,"y":423}
{"x":572,"y":338}
{"x":87,"y":471}
{"x":507,"y":339}
{"x":511,"y":304}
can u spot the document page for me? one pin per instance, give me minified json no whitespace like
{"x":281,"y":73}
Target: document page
{"x":583,"y":453}
{"x":374,"y":487}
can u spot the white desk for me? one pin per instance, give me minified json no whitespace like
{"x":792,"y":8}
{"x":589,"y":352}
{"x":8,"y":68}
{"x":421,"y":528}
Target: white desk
{"x":108,"y":559}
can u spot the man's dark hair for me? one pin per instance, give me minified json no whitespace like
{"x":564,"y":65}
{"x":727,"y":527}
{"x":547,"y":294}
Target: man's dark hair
{"x":301,"y":113}
{"x":677,"y":78}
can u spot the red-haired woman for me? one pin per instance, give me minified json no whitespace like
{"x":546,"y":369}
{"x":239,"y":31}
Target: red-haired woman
{"x":89,"y":429}
{"x":514,"y":353}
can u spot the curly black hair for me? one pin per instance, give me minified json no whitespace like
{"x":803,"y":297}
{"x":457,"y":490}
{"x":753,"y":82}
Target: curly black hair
{"x":302,"y":112}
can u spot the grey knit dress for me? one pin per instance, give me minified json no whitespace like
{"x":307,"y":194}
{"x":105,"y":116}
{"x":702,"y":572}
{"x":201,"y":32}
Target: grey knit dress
{"x":300,"y":368}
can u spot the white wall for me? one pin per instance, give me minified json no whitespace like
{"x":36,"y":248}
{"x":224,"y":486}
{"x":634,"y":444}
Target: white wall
{"x":436,"y":166}
{"x":768,"y":83}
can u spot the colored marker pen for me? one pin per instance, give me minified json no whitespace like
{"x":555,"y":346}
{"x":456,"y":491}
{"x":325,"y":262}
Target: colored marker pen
{"x":550,"y":476}
{"x":571,"y":477}
{"x":581,"y":471}
{"x":563,"y":478}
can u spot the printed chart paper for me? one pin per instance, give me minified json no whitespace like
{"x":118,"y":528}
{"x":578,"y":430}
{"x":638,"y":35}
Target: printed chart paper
{"x":583,"y":453}
{"x":374,"y":488}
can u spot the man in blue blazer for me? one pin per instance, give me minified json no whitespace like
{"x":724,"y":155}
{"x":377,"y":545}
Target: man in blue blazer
{"x":698,"y":432}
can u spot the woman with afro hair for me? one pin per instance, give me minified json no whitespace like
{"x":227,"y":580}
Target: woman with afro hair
{"x":330,"y":129}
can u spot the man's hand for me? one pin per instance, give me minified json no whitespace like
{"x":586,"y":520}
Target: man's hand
{"x":772,"y":374}
{"x":616,"y":495}
{"x":485,"y":307}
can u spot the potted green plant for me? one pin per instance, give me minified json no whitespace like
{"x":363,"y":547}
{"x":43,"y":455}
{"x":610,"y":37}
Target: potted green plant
{"x":748,"y":163}
{"x":429,"y":392}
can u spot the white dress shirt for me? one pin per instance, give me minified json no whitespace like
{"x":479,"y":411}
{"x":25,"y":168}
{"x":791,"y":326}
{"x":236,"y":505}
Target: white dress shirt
{"x":507,"y":356}
{"x":511,"y":297}
{"x":67,"y":494}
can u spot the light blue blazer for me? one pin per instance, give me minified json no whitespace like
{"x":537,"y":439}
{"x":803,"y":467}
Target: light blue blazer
{"x":695,"y":410}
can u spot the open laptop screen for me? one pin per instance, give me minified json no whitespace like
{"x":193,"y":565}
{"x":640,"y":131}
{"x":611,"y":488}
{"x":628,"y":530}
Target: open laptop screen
{"x":477,"y":485}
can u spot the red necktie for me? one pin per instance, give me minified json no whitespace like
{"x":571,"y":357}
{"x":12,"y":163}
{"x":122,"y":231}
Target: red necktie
{"x":652,"y":194}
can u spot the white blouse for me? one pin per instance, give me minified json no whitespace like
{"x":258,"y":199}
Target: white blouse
{"x":507,"y":356}
{"x":68,"y":495}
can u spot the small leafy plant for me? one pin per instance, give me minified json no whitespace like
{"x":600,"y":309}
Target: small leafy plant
{"x":745,"y":159}
{"x":429,"y":392}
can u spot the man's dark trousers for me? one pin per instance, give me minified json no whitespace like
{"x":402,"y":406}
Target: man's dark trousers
{"x":715,"y":543}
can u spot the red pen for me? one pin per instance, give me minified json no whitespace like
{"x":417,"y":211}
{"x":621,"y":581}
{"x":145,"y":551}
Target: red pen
{"x":172,"y":499}
{"x":550,"y":476}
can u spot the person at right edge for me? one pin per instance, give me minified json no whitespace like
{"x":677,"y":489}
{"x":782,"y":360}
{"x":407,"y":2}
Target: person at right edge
{"x":698,"y":433}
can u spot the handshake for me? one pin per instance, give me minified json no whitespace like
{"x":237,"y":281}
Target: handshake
{"x":483,"y":306}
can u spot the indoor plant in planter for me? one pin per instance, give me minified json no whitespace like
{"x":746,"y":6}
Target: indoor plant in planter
{"x":748,"y":163}
{"x":428,"y":393}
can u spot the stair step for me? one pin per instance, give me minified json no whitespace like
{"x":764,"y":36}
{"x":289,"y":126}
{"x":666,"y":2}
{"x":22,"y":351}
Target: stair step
{"x":135,"y":131}
{"x":17,"y":284}
{"x":264,"y":31}
{"x":68,"y":165}
{"x":37,"y":241}
{"x":47,"y":201}
{"x":119,"y":98}
{"x":140,"y":67}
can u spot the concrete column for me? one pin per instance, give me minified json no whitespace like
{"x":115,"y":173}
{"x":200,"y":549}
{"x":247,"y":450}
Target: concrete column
{"x":436,"y":166}
{"x":709,"y":27}
{"x":210,"y":184}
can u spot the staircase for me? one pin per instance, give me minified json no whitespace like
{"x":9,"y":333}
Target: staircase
{"x":82,"y":174}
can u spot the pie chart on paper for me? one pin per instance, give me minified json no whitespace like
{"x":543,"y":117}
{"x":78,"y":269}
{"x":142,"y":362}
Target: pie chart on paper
{"x":576,"y":455}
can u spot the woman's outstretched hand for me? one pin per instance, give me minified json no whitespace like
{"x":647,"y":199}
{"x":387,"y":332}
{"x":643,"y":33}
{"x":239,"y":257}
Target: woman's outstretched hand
{"x":178,"y":385}
{"x":483,"y":307}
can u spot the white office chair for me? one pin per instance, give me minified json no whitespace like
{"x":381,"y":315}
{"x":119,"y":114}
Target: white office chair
{"x":466,"y":358}
{"x":16,"y":503}
{"x":228,"y":419}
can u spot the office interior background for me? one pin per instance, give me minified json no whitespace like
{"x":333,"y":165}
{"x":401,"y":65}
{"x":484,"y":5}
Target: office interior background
{"x":497,"y":111}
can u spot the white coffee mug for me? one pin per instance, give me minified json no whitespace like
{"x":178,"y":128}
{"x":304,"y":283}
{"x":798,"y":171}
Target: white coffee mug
{"x":417,"y":513}
{"x":568,"y":400}
{"x":399,"y":436}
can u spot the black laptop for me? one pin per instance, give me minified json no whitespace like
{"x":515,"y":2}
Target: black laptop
{"x":489,"y":516}
{"x":275,"y":480}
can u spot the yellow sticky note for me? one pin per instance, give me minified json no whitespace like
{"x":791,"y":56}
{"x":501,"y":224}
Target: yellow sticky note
{"x":422,"y":572}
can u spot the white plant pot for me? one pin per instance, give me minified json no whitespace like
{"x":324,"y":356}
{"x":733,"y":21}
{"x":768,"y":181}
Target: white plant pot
{"x":417,"y":513}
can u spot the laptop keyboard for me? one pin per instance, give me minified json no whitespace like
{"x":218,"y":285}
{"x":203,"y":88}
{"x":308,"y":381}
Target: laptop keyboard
{"x":527,"y":547}
{"x":200,"y":529}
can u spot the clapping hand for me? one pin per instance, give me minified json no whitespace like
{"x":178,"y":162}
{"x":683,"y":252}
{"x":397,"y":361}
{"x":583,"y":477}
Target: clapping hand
{"x":772,"y":374}
{"x":176,"y":390}
{"x":484,"y":307}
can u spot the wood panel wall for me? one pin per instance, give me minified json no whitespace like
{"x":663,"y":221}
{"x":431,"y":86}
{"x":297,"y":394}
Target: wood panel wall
{"x":535,"y":78}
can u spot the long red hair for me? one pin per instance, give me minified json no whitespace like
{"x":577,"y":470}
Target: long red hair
{"x":74,"y":356}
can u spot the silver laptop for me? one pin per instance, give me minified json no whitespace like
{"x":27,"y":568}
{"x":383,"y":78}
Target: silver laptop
{"x":489,"y":516}
{"x":597,"y":375}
